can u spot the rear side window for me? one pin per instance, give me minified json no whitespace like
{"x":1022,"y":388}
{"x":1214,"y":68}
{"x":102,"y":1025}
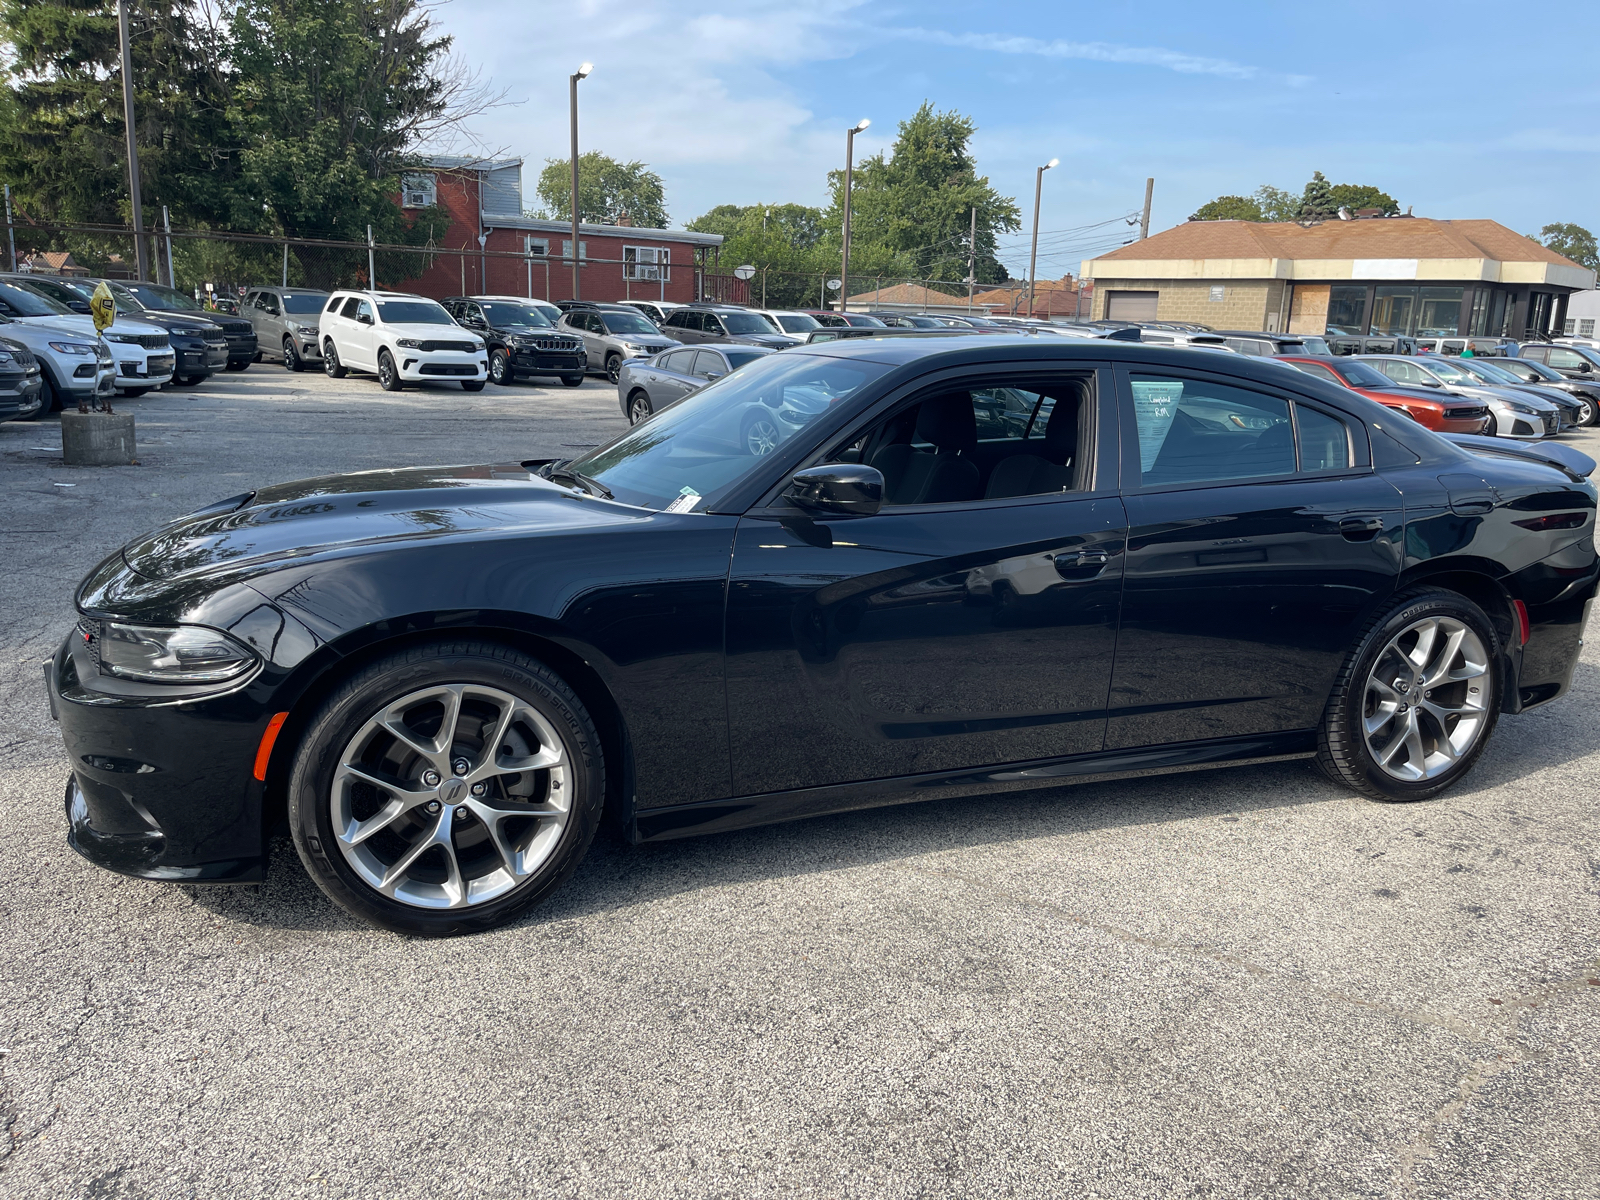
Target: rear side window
{"x":1324,"y":440}
{"x":333,"y":303}
{"x":1196,"y":432}
{"x":1320,"y":371}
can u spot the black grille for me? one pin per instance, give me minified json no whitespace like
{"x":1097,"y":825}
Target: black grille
{"x":1466,"y":412}
{"x":458,"y":347}
{"x":151,"y":341}
{"x":216,"y":339}
{"x":236,"y":326}
{"x":447,"y":369}
{"x":23,"y":358}
{"x":548,"y":343}
{"x":89,"y":631}
{"x":1552,"y":422}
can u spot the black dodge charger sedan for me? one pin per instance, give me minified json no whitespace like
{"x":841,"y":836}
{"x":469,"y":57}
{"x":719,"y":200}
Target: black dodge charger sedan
{"x":1162,"y":559}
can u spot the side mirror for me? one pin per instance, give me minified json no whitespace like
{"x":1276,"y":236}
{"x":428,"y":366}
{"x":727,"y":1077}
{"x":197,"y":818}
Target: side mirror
{"x":842,"y":489}
{"x":1431,"y":383}
{"x":78,"y":306}
{"x":364,"y":318}
{"x":711,"y":375}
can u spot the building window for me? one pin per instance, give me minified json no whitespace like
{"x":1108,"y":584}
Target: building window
{"x":566,"y":250}
{"x":1391,"y":310}
{"x":539,"y":247}
{"x":646,"y":263}
{"x":1570,"y":327}
{"x":1480,"y":313}
{"x":1439,"y":312}
{"x":1346,"y":310}
{"x":419,"y":191}
{"x":1585,"y":328}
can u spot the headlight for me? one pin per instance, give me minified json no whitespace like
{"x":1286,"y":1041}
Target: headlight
{"x":4,"y":357}
{"x":1525,"y":409}
{"x":308,"y":330}
{"x":177,"y":654}
{"x":75,"y":348}
{"x":408,"y":343}
{"x":477,"y":343}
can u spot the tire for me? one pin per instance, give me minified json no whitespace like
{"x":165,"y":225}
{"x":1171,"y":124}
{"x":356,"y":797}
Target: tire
{"x":291,"y":356}
{"x":237,"y":366}
{"x":572,"y":380}
{"x":1587,"y":412}
{"x":257,"y":357}
{"x":515,"y":844}
{"x":500,"y":369}
{"x":639,"y":408}
{"x":50,"y":398}
{"x":759,"y":436}
{"x":331,"y":365}
{"x":613,"y":367}
{"x":388,"y":374}
{"x":1372,"y":687}
{"x":472,"y":385}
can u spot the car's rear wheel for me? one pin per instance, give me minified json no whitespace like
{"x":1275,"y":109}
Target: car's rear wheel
{"x":239,"y":365}
{"x":500,"y":368}
{"x":572,"y":380}
{"x":613,"y":367}
{"x":1416,"y":700}
{"x":189,"y":380}
{"x":760,"y":435}
{"x":1586,"y":411}
{"x":447,"y":789}
{"x":291,"y":356}
{"x":639,"y":408}
{"x":388,"y":374}
{"x":330,"y":360}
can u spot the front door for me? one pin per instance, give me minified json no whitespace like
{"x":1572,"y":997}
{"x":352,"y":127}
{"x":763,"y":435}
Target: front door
{"x":972,"y":626}
{"x":1259,"y":539}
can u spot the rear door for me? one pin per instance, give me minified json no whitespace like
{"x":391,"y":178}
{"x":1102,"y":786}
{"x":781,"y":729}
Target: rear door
{"x":1259,"y":539}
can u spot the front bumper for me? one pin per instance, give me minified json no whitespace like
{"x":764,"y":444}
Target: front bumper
{"x":21,"y":395}
{"x":151,"y":371}
{"x":241,"y":347}
{"x":548,"y":362}
{"x":442,"y":366}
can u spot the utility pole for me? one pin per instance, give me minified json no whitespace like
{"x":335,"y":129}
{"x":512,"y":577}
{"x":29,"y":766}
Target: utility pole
{"x":844,"y":257}
{"x":141,"y":260}
{"x":11,"y":236}
{"x":172,"y":280}
{"x":1033,"y":254}
{"x":372,"y":269}
{"x":580,"y":74}
{"x":1144,"y":223}
{"x":972,"y":258}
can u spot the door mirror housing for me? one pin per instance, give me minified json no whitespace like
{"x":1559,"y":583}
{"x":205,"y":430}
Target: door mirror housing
{"x":839,"y":489}
{"x":78,"y":306}
{"x":364,"y":318}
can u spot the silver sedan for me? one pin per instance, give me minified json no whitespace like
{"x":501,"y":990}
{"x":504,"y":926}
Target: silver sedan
{"x":647,"y":385}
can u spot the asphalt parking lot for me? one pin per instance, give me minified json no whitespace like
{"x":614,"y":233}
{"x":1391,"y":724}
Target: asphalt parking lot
{"x":1235,"y":983}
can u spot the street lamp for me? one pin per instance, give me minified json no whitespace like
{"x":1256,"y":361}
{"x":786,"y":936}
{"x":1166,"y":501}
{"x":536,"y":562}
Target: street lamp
{"x":136,"y":201}
{"x":581,"y":73}
{"x":849,"y":166}
{"x":1033,"y":254}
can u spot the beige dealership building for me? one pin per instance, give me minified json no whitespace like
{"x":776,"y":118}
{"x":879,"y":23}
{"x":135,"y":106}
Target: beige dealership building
{"x":1380,"y":275}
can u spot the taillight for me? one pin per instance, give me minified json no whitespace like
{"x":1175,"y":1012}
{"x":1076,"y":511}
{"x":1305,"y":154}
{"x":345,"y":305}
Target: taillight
{"x":1568,"y":520}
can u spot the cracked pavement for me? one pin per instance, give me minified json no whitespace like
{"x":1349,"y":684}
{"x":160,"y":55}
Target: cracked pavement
{"x":1235,"y":983}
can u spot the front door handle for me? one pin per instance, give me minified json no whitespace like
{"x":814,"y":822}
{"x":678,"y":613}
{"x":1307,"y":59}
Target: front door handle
{"x":1081,"y":564}
{"x":1361,"y":529}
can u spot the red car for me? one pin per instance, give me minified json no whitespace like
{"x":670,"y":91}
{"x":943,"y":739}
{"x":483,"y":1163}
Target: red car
{"x":1442,"y":414}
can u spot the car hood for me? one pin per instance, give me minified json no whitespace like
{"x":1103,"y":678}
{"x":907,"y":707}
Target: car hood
{"x":80,"y":324}
{"x":776,"y":341}
{"x":1486,"y":391}
{"x":173,"y":323}
{"x":432,"y":333}
{"x":226,"y":321}
{"x":368,"y":509}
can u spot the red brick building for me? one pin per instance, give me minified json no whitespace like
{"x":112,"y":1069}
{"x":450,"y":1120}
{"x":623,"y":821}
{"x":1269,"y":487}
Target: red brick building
{"x":490,"y":247}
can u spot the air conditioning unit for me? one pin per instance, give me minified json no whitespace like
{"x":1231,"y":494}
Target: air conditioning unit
{"x":418,"y":191}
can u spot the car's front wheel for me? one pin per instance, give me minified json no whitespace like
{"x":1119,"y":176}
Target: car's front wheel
{"x":330,"y":360}
{"x":237,"y":365}
{"x":472,"y":385}
{"x":572,"y":380}
{"x":1586,"y":411}
{"x":447,"y":789}
{"x":388,"y":375}
{"x":500,"y":368}
{"x":291,"y":356}
{"x":638,"y":408}
{"x":760,"y":435}
{"x":613,"y":367}
{"x":1416,"y":700}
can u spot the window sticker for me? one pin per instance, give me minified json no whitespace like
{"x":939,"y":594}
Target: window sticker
{"x":1154,"y":406}
{"x":685,"y":502}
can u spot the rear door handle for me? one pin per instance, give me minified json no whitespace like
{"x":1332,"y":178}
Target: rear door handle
{"x":1361,"y":529}
{"x":1083,"y":564}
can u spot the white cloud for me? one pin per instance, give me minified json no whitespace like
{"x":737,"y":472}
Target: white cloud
{"x":1108,"y":52}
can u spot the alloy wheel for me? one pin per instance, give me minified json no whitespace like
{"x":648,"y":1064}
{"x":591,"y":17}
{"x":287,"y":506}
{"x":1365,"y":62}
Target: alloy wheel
{"x":761,"y":437}
{"x":613,"y":368}
{"x":638,"y":409}
{"x":1426,"y":699}
{"x":450,"y":796}
{"x":497,"y":366}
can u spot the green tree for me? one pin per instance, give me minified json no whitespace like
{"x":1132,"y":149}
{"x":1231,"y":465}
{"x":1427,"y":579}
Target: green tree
{"x":608,"y":190}
{"x":1571,"y":241}
{"x":911,"y":209}
{"x":1356,"y":196}
{"x":1228,"y":208}
{"x":62,"y":133}
{"x":786,"y":243}
{"x":1316,"y":201}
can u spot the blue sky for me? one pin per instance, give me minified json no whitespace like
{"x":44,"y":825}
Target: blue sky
{"x":1459,"y":111}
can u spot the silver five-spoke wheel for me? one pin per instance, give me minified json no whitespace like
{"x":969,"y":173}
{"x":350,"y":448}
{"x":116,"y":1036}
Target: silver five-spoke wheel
{"x":450,"y":796}
{"x":1426,"y":698}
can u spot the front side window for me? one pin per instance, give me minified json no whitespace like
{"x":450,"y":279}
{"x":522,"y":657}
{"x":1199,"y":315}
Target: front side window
{"x":709,"y":365}
{"x":364,"y":311}
{"x":686,"y":454}
{"x":709,"y":323}
{"x":1192,"y":431}
{"x":1565,"y":360}
{"x":413,"y":312}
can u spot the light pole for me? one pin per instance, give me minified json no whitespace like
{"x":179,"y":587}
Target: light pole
{"x":844,"y":257}
{"x":141,"y":264}
{"x":581,"y":73}
{"x":1033,"y":254}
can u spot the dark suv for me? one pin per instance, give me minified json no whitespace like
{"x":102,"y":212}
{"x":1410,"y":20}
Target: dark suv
{"x":1270,"y":345}
{"x":521,"y":340}
{"x":240,"y":333}
{"x":695,"y":323}
{"x":1575,"y":362}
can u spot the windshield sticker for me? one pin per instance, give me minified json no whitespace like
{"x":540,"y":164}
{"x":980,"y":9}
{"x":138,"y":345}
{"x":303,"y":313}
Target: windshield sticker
{"x":1154,"y":406}
{"x":685,"y":502}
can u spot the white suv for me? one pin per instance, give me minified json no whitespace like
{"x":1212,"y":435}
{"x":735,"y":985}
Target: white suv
{"x":401,"y":338}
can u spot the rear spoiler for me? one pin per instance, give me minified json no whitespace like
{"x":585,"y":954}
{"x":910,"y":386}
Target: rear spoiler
{"x":1574,"y":463}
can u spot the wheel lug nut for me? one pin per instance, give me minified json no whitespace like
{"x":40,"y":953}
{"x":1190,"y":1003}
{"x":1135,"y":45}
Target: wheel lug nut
{"x":433,"y":806}
{"x":461,"y":814}
{"x":430,"y":779}
{"x":479,"y":789}
{"x":461,"y":766}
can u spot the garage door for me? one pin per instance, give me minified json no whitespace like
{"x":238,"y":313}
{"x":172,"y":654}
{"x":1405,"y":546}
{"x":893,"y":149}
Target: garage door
{"x":1131,"y":306}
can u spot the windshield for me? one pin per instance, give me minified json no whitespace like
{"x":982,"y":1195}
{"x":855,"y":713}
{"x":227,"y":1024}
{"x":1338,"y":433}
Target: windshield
{"x":703,"y":443}
{"x":304,"y":304}
{"x":413,"y":312}
{"x":1493,"y":374}
{"x":1315,"y":345}
{"x":1449,"y":370}
{"x":153,"y":295}
{"x":620,"y":322}
{"x":515,"y":314}
{"x":746,"y":323}
{"x":1360,"y":375}
{"x":797,"y":323}
{"x":25,"y":302}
